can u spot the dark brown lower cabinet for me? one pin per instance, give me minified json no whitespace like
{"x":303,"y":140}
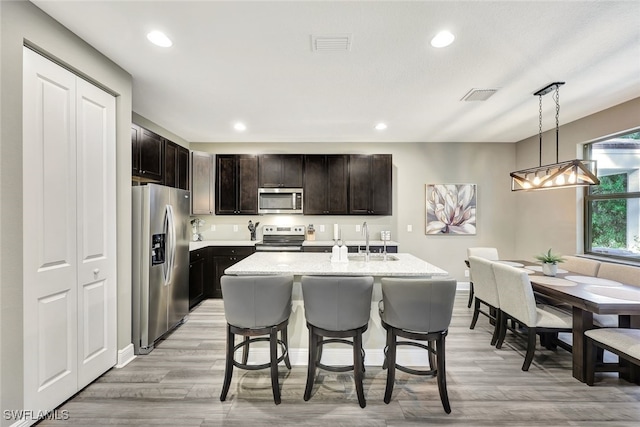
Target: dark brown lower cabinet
{"x":199,"y":275}
{"x":224,"y":257}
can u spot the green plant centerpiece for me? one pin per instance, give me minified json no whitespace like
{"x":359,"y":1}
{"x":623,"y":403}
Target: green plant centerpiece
{"x":549,"y":262}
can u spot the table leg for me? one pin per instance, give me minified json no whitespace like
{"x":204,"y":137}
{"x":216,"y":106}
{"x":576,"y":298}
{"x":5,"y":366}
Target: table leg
{"x":582,"y":321}
{"x":633,"y":371}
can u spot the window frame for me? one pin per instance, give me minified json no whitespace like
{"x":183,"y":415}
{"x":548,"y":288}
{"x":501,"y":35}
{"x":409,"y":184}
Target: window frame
{"x":589,"y":198}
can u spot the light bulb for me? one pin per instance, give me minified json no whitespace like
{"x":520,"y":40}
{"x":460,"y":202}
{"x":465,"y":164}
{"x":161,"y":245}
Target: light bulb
{"x":536,"y":181}
{"x":572,"y":178}
{"x":560,"y":180}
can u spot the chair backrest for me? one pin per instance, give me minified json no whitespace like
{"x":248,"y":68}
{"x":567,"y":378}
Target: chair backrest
{"x":627,"y":274}
{"x":337,"y":303}
{"x":420,"y":305}
{"x":487,"y":253}
{"x":588,"y":267}
{"x":484,"y":280}
{"x":256,"y":301}
{"x":515,"y":293}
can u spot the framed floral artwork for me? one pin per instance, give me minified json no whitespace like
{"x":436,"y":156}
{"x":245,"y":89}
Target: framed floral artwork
{"x":451,"y":209}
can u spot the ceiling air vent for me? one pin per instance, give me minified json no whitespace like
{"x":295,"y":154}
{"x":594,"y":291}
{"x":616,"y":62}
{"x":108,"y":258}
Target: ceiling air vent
{"x":479,"y":94}
{"x":331,"y":43}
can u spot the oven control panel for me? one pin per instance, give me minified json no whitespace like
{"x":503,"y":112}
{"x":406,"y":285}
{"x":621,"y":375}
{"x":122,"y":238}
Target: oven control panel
{"x":283,"y":230}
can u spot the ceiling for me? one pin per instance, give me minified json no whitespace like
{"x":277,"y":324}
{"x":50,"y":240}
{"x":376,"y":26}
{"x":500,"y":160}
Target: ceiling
{"x":253,"y":62}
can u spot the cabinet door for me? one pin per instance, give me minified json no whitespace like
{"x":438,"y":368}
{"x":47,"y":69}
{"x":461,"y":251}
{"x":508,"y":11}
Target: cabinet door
{"x":135,"y":150}
{"x":197,"y":272}
{"x":280,"y":170}
{"x":337,"y":184}
{"x":247,"y":185}
{"x":381,"y":188}
{"x":359,"y":184}
{"x":315,"y":185}
{"x":201,"y":183}
{"x":170,"y":163}
{"x":182,"y":168}
{"x":151,"y":155}
{"x":291,"y":171}
{"x":226,"y":189}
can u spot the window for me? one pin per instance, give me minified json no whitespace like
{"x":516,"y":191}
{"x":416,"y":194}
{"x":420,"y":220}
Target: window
{"x":612,"y":209}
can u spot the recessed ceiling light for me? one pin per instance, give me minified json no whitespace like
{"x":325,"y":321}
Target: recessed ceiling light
{"x":240,"y":127}
{"x":381,"y":126}
{"x":442,"y":39}
{"x":159,"y":39}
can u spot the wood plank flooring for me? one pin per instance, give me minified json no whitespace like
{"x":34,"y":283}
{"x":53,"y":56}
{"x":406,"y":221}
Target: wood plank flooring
{"x":178,"y":384}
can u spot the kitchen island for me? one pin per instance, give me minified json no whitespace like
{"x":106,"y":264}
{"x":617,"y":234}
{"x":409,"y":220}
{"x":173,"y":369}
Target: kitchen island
{"x":299,"y":264}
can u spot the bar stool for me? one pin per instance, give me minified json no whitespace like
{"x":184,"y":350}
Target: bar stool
{"x":255,"y":306}
{"x":338,"y":308}
{"x":419,"y":310}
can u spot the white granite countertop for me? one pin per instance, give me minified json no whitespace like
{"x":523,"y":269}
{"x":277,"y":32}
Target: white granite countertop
{"x":204,"y":243}
{"x":301,"y":263}
{"x":348,"y":242}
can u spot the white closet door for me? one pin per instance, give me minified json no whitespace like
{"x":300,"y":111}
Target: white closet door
{"x":96,"y":232}
{"x":49,"y":246}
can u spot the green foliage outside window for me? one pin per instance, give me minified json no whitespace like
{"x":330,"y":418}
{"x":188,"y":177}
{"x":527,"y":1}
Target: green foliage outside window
{"x":609,"y":217}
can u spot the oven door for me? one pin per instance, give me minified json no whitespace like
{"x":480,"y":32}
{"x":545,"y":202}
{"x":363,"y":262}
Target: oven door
{"x":261,"y":247}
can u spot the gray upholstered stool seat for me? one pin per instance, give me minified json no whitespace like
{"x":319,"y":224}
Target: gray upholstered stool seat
{"x":255,"y":306}
{"x":621,"y":341}
{"x":338,"y":308}
{"x":419,"y":310}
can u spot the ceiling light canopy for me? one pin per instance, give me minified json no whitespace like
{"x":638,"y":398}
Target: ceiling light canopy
{"x":572,"y":173}
{"x":159,"y":39}
{"x":240,"y":127}
{"x":381,"y":126}
{"x":442,"y":39}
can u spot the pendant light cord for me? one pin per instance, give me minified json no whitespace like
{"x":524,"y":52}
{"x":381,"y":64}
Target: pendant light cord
{"x":540,"y":130}
{"x":556,"y":97}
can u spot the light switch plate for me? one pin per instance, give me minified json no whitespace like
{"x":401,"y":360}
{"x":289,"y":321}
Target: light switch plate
{"x":213,"y":227}
{"x":357,"y":228}
{"x":235,"y":227}
{"x":322,"y":228}
{"x":409,"y":227}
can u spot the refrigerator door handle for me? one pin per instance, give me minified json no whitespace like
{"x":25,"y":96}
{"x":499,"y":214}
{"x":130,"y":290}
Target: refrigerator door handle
{"x":172,"y":241}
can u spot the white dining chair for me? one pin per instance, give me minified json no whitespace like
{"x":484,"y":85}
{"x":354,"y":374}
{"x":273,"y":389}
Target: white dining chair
{"x":482,"y":252}
{"x":486,"y":293}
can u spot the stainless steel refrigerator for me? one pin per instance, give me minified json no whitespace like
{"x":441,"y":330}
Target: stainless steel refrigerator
{"x":160,"y":262}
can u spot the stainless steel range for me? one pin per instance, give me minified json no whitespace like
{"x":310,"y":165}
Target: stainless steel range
{"x":282,"y":238}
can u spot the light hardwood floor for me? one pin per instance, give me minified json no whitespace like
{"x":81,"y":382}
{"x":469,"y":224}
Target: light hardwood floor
{"x":179,"y":383}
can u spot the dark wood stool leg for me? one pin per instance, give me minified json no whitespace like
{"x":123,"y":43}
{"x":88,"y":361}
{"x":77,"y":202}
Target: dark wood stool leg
{"x":531,"y":348}
{"x":285,"y":339}
{"x":431,"y":353}
{"x":273,"y":350}
{"x":245,"y":351}
{"x":470,"y":295}
{"x":358,"y":368}
{"x":311,"y":367}
{"x":391,"y":364}
{"x":496,"y":330}
{"x":228,"y":367}
{"x":476,"y":312}
{"x":502,"y":325}
{"x":442,"y":375}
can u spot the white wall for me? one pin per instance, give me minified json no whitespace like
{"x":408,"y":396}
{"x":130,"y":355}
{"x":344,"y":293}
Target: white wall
{"x":555,"y":218}
{"x":414,"y":166}
{"x":22,"y":22}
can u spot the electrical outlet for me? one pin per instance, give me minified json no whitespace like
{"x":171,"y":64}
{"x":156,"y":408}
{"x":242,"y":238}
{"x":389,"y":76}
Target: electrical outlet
{"x":357,"y":228}
{"x":409,"y":227}
{"x":322,"y":228}
{"x":213,"y":227}
{"x":466,"y":272}
{"x":235,"y":227}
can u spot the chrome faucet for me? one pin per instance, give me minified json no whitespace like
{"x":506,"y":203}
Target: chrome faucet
{"x":365,"y":232}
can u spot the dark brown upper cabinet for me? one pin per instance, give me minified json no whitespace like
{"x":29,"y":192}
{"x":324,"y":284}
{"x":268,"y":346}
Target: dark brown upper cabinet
{"x":236,"y":184}
{"x":326,"y":181}
{"x":280,"y":171}
{"x":176,"y":165}
{"x":370,"y":184}
{"x":147,"y":155}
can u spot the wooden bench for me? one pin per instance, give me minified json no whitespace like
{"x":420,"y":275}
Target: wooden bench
{"x":623,"y":342}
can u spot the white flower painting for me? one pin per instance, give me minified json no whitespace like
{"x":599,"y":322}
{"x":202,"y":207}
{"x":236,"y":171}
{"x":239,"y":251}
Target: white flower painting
{"x":451,"y":209}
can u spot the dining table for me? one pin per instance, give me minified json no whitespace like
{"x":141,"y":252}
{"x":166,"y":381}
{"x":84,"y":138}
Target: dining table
{"x":587,"y":295}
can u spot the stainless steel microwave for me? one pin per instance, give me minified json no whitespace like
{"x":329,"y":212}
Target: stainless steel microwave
{"x":280,"y":200}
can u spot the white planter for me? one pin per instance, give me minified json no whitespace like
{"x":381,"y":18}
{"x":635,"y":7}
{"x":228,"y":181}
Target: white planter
{"x":549,"y":269}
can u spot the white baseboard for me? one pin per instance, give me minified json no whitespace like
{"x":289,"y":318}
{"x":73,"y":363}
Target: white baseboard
{"x":125,"y":356}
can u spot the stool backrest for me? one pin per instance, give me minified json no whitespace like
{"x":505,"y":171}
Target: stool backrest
{"x":515,"y":293}
{"x":256,"y":301}
{"x":418,"y":304}
{"x":337,"y":303}
{"x":627,"y":274}
{"x":588,"y":267}
{"x":484,"y":281}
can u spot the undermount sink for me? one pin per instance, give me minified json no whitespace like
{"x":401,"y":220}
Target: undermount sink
{"x":372,"y":257}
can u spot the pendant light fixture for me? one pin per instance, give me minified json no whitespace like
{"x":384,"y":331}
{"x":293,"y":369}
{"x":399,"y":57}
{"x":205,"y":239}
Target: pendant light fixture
{"x":571,"y":173}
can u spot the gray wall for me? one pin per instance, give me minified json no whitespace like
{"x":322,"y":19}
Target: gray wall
{"x":22,"y":22}
{"x":414,"y":166}
{"x":554,"y":218}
